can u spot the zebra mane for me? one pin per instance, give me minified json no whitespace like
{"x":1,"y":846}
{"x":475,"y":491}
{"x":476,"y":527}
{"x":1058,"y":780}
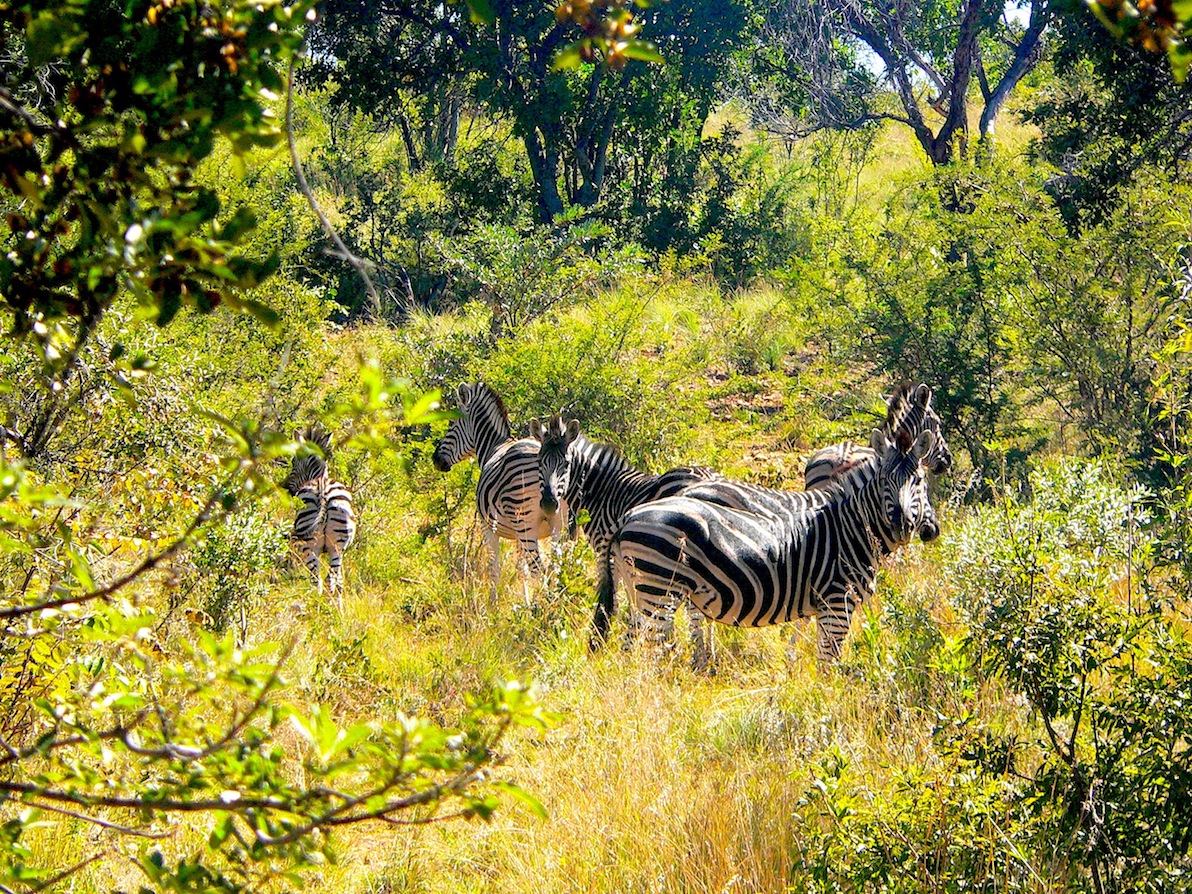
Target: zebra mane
{"x":490,"y":394}
{"x":483,"y":394}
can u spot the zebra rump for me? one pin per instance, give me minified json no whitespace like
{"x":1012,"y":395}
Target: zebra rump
{"x":326,"y":523}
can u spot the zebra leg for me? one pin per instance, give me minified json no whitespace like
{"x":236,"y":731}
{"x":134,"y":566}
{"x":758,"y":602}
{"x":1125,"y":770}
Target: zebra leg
{"x":831,"y":627}
{"x":494,"y":567}
{"x":531,"y":566}
{"x":335,"y":575}
{"x":310,"y":558}
{"x":606,"y":604}
{"x":701,"y":632}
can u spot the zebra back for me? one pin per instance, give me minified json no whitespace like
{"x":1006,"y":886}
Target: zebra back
{"x":481,"y":427}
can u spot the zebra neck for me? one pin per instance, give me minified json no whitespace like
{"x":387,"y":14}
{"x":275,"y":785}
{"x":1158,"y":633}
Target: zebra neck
{"x":858,"y":494}
{"x":492,"y":430}
{"x":593,"y":467}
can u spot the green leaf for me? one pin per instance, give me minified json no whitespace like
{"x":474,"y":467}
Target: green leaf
{"x":263,"y":312}
{"x":643,"y":50}
{"x":481,"y":11}
{"x":523,"y":797}
{"x":567,"y":58}
{"x":422,"y":407}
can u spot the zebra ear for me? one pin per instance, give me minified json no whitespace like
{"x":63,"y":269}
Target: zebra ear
{"x":922,"y":395}
{"x":536,"y":430}
{"x":879,"y":443}
{"x":924,"y":443}
{"x":463,"y":394}
{"x":572,"y":430}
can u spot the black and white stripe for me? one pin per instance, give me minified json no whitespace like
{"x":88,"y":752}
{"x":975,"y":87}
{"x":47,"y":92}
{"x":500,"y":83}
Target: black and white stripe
{"x":326,"y":522}
{"x":508,"y":496}
{"x":908,"y":409}
{"x":752,"y":556}
{"x":595,"y":478}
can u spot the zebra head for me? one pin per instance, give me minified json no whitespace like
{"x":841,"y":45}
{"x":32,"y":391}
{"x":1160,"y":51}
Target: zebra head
{"x":482,"y":424}
{"x":909,"y":410}
{"x":902,"y":485}
{"x":308,"y":465}
{"x":554,"y":457}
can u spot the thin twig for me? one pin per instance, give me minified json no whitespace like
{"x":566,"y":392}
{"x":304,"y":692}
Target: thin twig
{"x":357,"y":263}
{"x":96,"y":821}
{"x":65,"y":873}
{"x":147,"y":565}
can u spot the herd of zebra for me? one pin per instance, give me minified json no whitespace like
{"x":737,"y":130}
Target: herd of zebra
{"x":730,"y":552}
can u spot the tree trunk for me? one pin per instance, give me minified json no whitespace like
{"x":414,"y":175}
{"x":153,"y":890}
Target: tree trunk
{"x":1025,"y":58}
{"x":544,"y":165}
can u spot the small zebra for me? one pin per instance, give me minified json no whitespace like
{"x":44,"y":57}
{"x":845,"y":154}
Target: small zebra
{"x":508,"y":495}
{"x":908,"y":409}
{"x":773,"y":556}
{"x":326,"y":522}
{"x":593,"y":477}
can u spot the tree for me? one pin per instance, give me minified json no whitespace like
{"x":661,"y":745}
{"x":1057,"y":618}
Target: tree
{"x":1112,"y":112}
{"x":527,"y":69}
{"x":1157,"y":26}
{"x":106,"y":112}
{"x":813,"y":62}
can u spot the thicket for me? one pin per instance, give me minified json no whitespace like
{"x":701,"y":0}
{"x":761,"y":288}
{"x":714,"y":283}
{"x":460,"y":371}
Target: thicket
{"x":705,"y":296}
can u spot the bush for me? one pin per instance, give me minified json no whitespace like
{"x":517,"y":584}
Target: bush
{"x":1052,"y":589}
{"x":229,"y":562}
{"x":591,"y":366}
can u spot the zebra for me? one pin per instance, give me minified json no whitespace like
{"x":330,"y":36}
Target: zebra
{"x":508,"y":496}
{"x":751,"y":556}
{"x":909,"y":408}
{"x":326,"y":522}
{"x":596,"y":478}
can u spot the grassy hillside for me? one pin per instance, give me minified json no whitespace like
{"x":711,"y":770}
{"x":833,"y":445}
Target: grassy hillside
{"x":935,"y":757}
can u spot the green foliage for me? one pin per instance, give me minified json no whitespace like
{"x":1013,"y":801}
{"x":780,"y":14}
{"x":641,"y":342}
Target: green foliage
{"x":107,"y":112}
{"x":932,"y":829}
{"x":1110,"y":113}
{"x":521,"y":279}
{"x":1155,"y":27}
{"x":589,"y":366}
{"x":229,"y":561}
{"x":100,"y":751}
{"x":1059,"y":615}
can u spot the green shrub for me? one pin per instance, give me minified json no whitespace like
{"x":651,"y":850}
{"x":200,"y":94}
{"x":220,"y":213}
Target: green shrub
{"x":229,"y":562}
{"x":595,"y":366}
{"x":1053,"y":590}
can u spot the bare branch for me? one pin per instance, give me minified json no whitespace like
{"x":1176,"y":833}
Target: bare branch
{"x":359,"y":264}
{"x":96,"y":821}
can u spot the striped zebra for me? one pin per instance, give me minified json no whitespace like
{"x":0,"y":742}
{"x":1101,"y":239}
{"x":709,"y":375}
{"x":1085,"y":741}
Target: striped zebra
{"x":326,"y":522}
{"x":596,"y":478}
{"x":508,"y":496}
{"x":908,"y":409}
{"x":751,"y":556}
